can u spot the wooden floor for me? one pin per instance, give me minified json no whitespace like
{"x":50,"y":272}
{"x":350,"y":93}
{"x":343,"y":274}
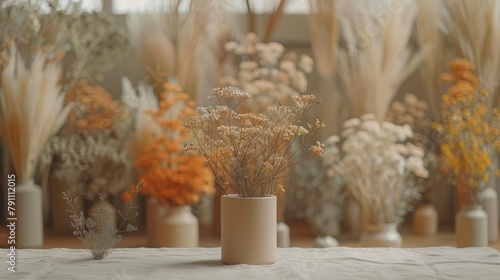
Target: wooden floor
{"x":300,"y":237}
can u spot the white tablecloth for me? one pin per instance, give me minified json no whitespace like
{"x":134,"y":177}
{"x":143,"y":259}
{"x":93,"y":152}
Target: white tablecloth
{"x":292,"y":263}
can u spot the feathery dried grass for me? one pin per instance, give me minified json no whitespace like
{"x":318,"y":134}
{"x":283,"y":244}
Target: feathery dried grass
{"x":373,"y":66}
{"x":429,"y":27}
{"x":31,"y":110}
{"x":474,"y":30}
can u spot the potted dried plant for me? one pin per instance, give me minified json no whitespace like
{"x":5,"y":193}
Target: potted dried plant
{"x":465,"y":152}
{"x":374,"y":159}
{"x":247,"y":153}
{"x":175,"y":177}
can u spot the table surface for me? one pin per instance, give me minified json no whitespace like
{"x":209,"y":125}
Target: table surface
{"x":292,"y":263}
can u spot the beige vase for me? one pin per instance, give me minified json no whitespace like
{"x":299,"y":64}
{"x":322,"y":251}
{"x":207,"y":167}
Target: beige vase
{"x":471,"y":227}
{"x":425,"y":220}
{"x":29,"y":214}
{"x":381,"y":235}
{"x":248,"y":230}
{"x":178,"y":228}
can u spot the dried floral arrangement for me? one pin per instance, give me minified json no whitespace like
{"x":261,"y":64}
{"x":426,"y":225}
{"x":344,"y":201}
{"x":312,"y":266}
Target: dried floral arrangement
{"x":185,"y":45}
{"x":374,"y":159}
{"x":32,"y":109}
{"x":414,"y":113}
{"x":470,"y":132}
{"x":97,"y":234}
{"x":171,"y":174}
{"x":248,"y":152}
{"x":371,"y":67}
{"x":91,"y":154}
{"x":474,"y":33}
{"x":267,"y":73}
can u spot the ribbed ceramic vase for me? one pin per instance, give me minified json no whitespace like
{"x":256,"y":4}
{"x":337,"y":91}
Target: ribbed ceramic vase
{"x":178,"y":228}
{"x":381,"y":235}
{"x":248,"y":230}
{"x":109,"y":211}
{"x":29,"y":223}
{"x":425,"y":220}
{"x":489,"y":201}
{"x":471,"y":227}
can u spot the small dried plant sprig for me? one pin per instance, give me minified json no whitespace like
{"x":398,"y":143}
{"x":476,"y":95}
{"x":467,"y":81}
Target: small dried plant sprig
{"x":469,"y":131}
{"x":97,"y":233}
{"x":248,"y":152}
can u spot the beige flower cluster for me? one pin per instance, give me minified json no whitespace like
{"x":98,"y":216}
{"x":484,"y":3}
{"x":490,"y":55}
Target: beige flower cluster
{"x":247,"y":152}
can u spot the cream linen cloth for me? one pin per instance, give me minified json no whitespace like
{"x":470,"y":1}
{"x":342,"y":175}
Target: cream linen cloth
{"x":292,"y":263}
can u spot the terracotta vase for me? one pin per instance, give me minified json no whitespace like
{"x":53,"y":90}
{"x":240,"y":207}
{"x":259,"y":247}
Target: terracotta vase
{"x":154,"y":213}
{"x":29,"y":214}
{"x":471,"y":227}
{"x":178,"y":228}
{"x":381,"y":235}
{"x":61,"y":220}
{"x":425,"y":220}
{"x":248,"y":229}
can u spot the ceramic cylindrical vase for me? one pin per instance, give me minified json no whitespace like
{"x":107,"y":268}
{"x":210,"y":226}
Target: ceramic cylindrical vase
{"x":283,"y":237}
{"x":489,"y":201}
{"x":178,"y":228}
{"x":108,"y":212}
{"x":248,"y":229}
{"x":381,"y":235}
{"x":425,"y":220}
{"x":471,"y":227}
{"x":29,"y":214}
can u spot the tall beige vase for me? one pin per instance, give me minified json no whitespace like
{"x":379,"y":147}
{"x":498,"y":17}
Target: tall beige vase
{"x":29,"y":214}
{"x":471,"y":227}
{"x":248,"y":229}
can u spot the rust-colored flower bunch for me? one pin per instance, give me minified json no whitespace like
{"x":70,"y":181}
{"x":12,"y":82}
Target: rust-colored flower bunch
{"x":172,"y":175}
{"x":468,"y":132}
{"x":94,"y":109}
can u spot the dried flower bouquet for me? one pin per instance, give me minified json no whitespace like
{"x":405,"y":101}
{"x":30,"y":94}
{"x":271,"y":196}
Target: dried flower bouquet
{"x":374,"y":159}
{"x":248,"y":152}
{"x":470,"y":132}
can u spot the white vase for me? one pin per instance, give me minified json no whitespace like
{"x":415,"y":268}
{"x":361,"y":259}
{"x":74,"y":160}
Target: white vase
{"x":471,"y":227}
{"x":29,"y":223}
{"x":283,"y":237}
{"x":381,"y":235}
{"x":109,"y":212}
{"x":61,"y":220}
{"x":248,"y":229}
{"x":489,"y":201}
{"x":425,"y":220}
{"x":178,"y":228}
{"x":325,"y":242}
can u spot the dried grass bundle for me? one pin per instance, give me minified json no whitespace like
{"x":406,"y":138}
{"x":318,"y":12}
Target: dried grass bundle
{"x":429,"y":28}
{"x":474,"y":30}
{"x":372,"y":65}
{"x":169,"y":40}
{"x":32,"y":110}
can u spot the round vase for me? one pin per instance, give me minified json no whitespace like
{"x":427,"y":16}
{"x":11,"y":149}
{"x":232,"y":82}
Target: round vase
{"x":381,"y":235}
{"x":154,"y":213}
{"x":425,"y":220}
{"x":325,"y":242}
{"x":471,"y":227}
{"x":248,"y":229}
{"x":283,"y":237}
{"x":109,"y":213}
{"x":29,"y":223}
{"x":489,"y":201}
{"x":178,"y":228}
